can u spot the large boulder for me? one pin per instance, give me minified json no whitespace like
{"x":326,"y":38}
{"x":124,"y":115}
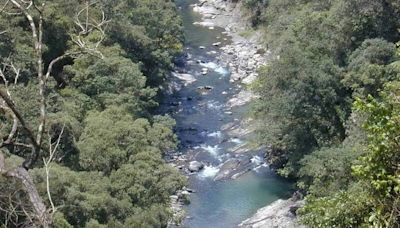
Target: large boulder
{"x":281,"y":213}
{"x":195,"y":166}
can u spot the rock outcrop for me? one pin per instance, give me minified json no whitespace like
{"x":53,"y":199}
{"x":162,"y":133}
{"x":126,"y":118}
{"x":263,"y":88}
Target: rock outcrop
{"x":280,"y":214}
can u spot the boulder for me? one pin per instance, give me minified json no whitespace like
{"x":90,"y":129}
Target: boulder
{"x":186,"y":78}
{"x":249,"y":79}
{"x":195,"y":166}
{"x":279,"y":214}
{"x":232,"y":167}
{"x":204,"y":89}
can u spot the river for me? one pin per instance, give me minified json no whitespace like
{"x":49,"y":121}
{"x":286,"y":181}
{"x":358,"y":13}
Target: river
{"x":200,"y":116}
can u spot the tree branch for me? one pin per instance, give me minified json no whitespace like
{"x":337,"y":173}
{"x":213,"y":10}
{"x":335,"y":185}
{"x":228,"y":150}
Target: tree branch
{"x":36,"y":147}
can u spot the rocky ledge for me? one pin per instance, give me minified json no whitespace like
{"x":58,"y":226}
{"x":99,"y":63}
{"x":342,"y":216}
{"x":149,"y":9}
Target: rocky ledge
{"x":280,"y":214}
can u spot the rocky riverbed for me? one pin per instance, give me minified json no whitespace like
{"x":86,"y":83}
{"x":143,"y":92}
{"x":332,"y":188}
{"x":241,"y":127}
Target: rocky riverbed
{"x":211,"y":126}
{"x":244,"y":55}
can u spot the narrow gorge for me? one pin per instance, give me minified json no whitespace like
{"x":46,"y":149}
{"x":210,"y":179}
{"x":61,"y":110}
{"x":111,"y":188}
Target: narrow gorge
{"x":208,"y":97}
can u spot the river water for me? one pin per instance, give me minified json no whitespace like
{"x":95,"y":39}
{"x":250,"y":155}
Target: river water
{"x":200,"y":117}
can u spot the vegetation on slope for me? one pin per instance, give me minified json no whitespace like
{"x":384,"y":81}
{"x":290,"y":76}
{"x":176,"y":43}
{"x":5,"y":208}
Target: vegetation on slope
{"x":328,"y":107}
{"x":98,"y":162}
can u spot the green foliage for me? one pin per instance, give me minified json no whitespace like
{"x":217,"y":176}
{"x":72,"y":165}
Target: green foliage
{"x":300,"y":108}
{"x":327,"y":171}
{"x":150,"y":31}
{"x":112,"y":138}
{"x":110,"y":170}
{"x":114,"y":80}
{"x":140,"y":190}
{"x":342,"y":209}
{"x":328,"y":54}
{"x":370,"y":67}
{"x":325,"y":58}
{"x":380,"y":166}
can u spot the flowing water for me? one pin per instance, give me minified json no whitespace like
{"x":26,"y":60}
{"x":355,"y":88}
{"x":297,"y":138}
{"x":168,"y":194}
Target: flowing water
{"x":199,"y":118}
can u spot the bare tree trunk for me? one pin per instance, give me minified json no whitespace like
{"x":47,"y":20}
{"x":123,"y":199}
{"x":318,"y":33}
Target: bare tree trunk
{"x":22,"y":175}
{"x":40,"y":209}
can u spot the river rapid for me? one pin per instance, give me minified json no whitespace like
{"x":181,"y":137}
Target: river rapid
{"x":203,"y":120}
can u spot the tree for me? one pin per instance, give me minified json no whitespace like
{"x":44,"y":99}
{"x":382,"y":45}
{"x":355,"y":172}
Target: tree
{"x":379,"y":167}
{"x":370,"y":67}
{"x":33,"y":13}
{"x":301,"y":108}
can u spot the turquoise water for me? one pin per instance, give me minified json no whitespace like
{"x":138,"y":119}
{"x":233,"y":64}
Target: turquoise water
{"x":199,"y":120}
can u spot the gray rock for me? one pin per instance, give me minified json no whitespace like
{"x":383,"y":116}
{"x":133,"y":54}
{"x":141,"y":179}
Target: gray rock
{"x":278,"y":214}
{"x":204,"y":89}
{"x":184,"y":192}
{"x":233,"y":167}
{"x":186,"y":78}
{"x":241,"y":99}
{"x":195,"y":166}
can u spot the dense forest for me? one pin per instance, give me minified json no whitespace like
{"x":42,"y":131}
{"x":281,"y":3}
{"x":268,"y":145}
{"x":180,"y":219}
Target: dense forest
{"x":80,"y":144}
{"x":329,"y":108}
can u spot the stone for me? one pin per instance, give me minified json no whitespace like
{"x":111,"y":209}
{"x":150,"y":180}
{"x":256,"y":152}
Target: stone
{"x":241,"y":99}
{"x":205,"y":88}
{"x":231,"y":167}
{"x":184,"y":192}
{"x":278,"y":214}
{"x":249,"y":79}
{"x":216,"y":44}
{"x":187,"y":78}
{"x":195,"y":166}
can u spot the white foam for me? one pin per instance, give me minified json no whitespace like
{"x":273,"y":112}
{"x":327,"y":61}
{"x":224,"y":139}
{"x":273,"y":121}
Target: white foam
{"x":236,"y":140}
{"x":208,"y":172}
{"x":216,"y":134}
{"x":214,"y":105}
{"x":209,"y":65}
{"x":216,"y":68}
{"x":213,"y":150}
{"x":221,"y":70}
{"x":257,"y":169}
{"x":257,"y":160}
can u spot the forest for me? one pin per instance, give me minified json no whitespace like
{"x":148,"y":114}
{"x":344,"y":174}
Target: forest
{"x":80,"y":144}
{"x":329,"y":108}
